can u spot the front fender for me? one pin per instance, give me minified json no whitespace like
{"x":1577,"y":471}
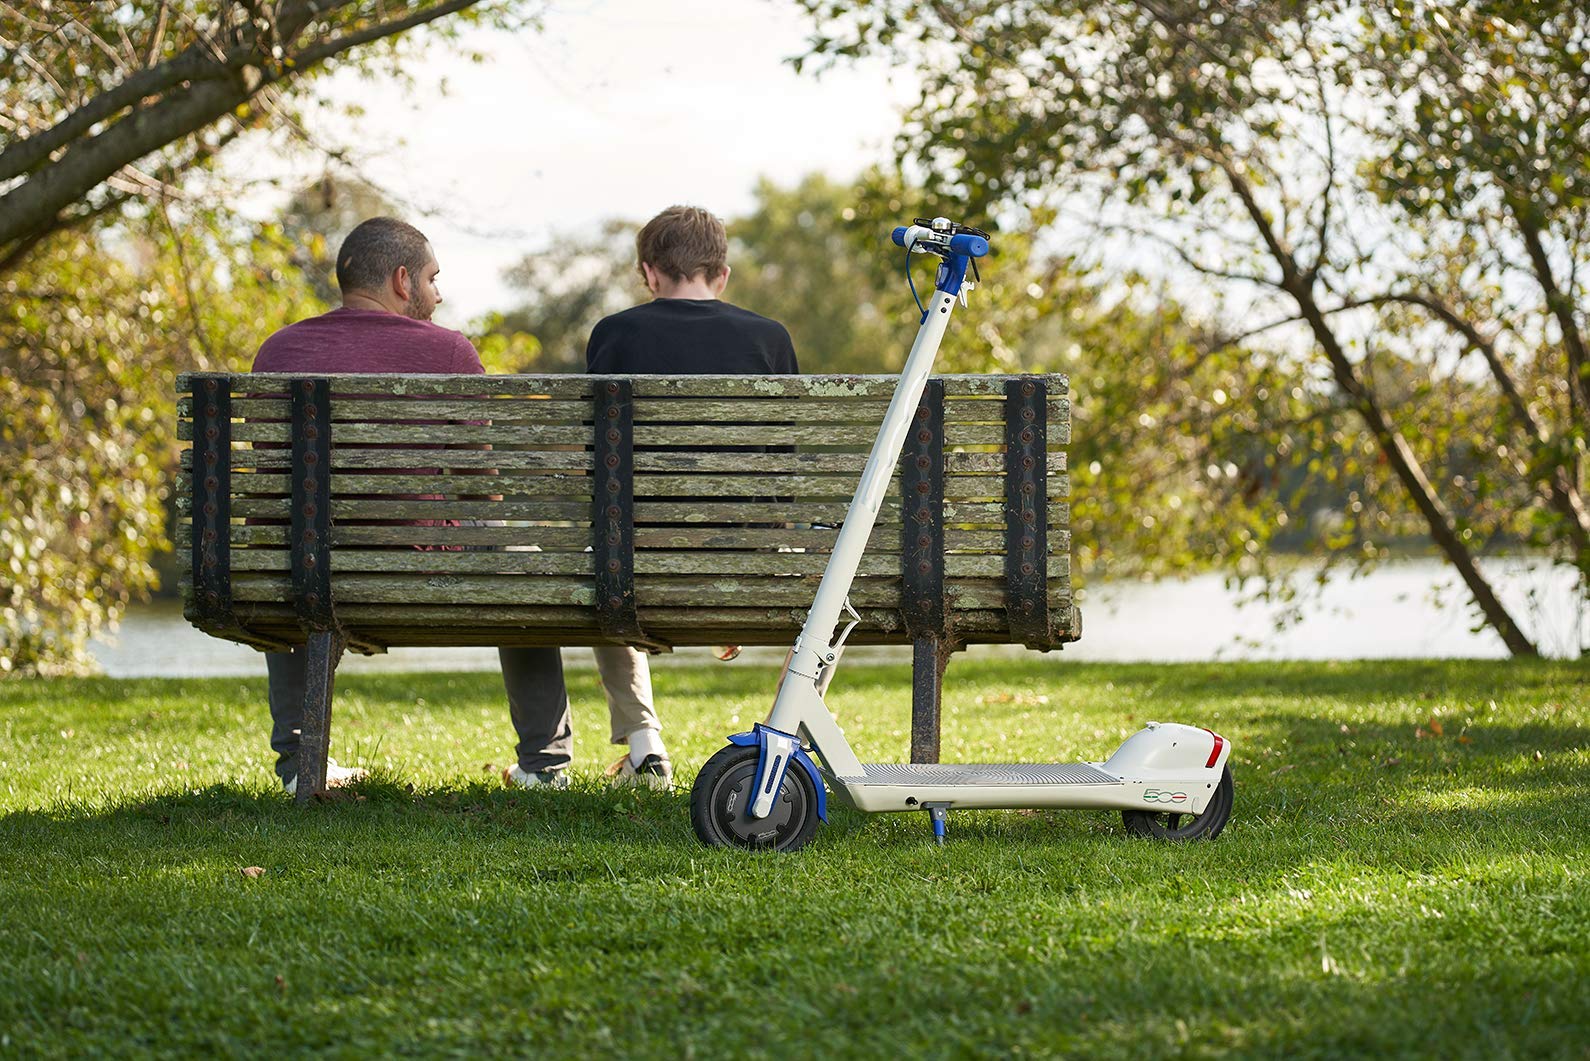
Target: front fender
{"x":755,"y":739}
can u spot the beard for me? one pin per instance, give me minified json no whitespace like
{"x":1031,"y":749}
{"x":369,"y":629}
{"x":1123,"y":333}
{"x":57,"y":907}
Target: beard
{"x":417,"y":308}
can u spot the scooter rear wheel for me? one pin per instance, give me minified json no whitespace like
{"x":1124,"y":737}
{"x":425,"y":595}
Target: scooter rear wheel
{"x":720,"y":803}
{"x":1164,"y":825}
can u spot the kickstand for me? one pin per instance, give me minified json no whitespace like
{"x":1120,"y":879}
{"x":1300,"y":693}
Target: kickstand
{"x":940,"y":813}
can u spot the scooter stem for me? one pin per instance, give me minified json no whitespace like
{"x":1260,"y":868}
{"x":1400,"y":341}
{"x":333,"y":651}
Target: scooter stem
{"x":814,"y":648}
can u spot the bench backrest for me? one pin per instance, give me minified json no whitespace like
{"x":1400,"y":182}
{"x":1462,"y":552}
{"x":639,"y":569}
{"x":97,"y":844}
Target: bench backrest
{"x":654,"y":510}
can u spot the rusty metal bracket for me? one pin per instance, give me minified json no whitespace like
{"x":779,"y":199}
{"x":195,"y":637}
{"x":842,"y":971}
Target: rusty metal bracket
{"x":212,"y":502}
{"x":613,"y":514}
{"x":311,"y":511}
{"x":922,"y":526}
{"x":1026,"y":511}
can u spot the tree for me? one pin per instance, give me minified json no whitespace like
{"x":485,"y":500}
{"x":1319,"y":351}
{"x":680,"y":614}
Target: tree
{"x":111,"y":103}
{"x":88,"y":342}
{"x":1368,"y":175}
{"x":118,"y":268}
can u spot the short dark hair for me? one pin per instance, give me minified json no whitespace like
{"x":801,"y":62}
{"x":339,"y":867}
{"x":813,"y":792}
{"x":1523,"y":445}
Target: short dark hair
{"x":374,"y":250}
{"x":683,"y":242}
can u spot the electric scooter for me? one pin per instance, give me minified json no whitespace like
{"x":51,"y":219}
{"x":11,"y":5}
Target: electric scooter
{"x":765,"y":790}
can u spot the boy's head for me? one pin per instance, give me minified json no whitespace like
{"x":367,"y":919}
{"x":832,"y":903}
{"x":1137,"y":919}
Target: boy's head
{"x":683,"y":251}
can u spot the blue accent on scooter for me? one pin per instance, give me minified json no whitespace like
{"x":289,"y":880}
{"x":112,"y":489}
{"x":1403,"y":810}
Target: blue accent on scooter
{"x":746,"y":740}
{"x":898,"y":235}
{"x":969,"y":245}
{"x":951,"y":273}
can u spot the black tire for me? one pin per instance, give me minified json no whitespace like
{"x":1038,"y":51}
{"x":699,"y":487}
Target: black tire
{"x":1164,"y":825}
{"x":721,"y":797}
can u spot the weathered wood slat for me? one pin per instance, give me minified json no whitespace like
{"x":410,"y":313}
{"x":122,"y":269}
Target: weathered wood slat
{"x":483,"y":591}
{"x":506,"y":410}
{"x":576,"y":386}
{"x":576,"y":460}
{"x":961,"y":512}
{"x":575,"y":486}
{"x":552,"y":484}
{"x":703,"y":563}
{"x":577,"y":539}
{"x":716,"y":435}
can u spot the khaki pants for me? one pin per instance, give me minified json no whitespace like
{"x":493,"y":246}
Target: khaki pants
{"x":626,"y":678}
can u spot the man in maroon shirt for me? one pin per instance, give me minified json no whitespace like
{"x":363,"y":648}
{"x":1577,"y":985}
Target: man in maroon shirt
{"x":387,"y":273}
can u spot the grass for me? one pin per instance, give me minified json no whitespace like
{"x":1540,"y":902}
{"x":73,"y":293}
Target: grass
{"x":1405,"y":874}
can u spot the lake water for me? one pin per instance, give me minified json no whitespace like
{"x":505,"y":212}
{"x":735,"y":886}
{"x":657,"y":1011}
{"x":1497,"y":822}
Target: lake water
{"x":1401,"y":610}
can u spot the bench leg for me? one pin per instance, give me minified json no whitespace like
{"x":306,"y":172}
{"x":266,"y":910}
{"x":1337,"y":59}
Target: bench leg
{"x":314,"y":742}
{"x":928,"y":658}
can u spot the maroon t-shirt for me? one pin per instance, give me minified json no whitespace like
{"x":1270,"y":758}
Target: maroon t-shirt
{"x":367,"y":340}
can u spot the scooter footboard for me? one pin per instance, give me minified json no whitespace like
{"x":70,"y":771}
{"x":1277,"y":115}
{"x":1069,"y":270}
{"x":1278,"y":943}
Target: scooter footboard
{"x":1162,"y":767}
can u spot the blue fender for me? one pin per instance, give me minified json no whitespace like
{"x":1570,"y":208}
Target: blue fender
{"x":755,"y":739}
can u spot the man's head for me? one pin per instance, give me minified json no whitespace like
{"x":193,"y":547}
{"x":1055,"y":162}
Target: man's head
{"x":683,"y":253}
{"x":386,"y":264}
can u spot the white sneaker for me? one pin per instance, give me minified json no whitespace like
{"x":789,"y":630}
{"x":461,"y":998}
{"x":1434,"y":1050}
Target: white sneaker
{"x":336,"y":777}
{"x":514,"y":777}
{"x":654,"y":771}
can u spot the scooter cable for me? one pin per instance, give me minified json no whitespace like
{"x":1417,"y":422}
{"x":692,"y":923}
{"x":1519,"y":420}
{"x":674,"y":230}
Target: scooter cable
{"x":912,"y":281}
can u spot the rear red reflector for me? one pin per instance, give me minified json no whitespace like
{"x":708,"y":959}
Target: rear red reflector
{"x":1214,"y":754}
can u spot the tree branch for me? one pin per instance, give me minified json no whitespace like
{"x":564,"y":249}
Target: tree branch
{"x":35,"y":203}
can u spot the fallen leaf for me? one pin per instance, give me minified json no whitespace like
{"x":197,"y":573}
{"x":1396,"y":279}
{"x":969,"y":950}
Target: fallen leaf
{"x":488,"y":768}
{"x":1435,"y":725}
{"x":1465,"y":739}
{"x":253,"y":872}
{"x":1419,"y":733}
{"x":1392,"y":762}
{"x":281,"y":985}
{"x":1283,"y":769}
{"x":1539,"y":757}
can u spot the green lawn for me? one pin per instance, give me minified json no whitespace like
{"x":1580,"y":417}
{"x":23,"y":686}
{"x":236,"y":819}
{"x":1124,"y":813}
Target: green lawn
{"x":1405,"y":873}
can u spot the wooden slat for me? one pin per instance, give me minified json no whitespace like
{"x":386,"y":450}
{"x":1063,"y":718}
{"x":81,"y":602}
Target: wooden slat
{"x":578,"y":386}
{"x":578,"y":486}
{"x":687,"y":512}
{"x":883,"y":540}
{"x":578,"y":459}
{"x":660,"y":591}
{"x":705,"y":563}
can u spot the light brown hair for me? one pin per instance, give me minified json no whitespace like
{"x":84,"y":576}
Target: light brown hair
{"x":683,"y":242}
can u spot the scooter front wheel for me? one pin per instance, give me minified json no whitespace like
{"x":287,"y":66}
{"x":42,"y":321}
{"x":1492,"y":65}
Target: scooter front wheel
{"x":1164,"y":825}
{"x":720,"y":804}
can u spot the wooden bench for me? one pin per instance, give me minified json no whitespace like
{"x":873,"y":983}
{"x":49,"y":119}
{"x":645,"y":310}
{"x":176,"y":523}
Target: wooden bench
{"x":373,"y":512}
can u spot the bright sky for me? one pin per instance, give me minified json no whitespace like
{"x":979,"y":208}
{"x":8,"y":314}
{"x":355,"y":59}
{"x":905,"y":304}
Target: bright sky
{"x":619,"y":107}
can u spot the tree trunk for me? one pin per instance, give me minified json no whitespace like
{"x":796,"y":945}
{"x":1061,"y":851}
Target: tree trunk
{"x":1392,"y":445}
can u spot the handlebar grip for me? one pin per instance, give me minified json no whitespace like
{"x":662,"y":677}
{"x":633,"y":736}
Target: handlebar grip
{"x":905,"y":236}
{"x":968,"y":244}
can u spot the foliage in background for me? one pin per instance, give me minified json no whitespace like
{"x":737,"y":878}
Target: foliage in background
{"x":106,"y":106}
{"x":113,"y":277}
{"x":1397,"y":191}
{"x":89,"y":340}
{"x":1187,"y":454}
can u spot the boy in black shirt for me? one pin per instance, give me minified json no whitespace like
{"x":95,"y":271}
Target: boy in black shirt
{"x":687,"y":329}
{"x":682,"y":255}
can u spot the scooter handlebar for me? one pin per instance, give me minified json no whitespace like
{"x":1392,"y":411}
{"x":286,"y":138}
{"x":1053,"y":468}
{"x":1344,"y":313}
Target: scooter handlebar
{"x":961,"y":243}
